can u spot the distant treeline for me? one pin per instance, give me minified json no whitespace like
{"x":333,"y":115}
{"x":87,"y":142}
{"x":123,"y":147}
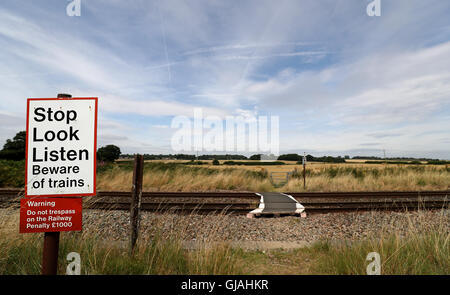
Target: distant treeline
{"x":438,"y":162}
{"x":161,"y":157}
{"x":310,"y":158}
{"x":415,"y":162}
{"x":286,"y":157}
{"x":392,"y":159}
{"x":222,"y":157}
{"x":253,"y":163}
{"x":394,"y":162}
{"x":187,"y":157}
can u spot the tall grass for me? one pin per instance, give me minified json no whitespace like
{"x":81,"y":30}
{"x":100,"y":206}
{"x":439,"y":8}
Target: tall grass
{"x":178,"y":177}
{"x":424,"y":249}
{"x":373,"y":179}
{"x":22,"y":254}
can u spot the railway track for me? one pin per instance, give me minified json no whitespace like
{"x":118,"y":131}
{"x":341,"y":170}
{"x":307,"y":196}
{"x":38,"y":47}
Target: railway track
{"x":243,"y":202}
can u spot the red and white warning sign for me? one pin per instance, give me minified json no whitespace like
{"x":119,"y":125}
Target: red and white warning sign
{"x":50,"y":215}
{"x":61,"y":147}
{"x":60,"y":162}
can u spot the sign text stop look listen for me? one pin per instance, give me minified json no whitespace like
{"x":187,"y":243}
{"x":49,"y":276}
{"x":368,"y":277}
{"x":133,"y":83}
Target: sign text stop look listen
{"x":61,"y":147}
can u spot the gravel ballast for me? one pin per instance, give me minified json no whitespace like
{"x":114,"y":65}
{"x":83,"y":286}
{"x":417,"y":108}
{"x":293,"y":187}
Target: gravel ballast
{"x":114,"y":225}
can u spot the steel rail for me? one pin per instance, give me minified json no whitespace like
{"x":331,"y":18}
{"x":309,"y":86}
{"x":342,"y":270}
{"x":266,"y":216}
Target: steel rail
{"x":359,"y":194}
{"x":241,"y":202}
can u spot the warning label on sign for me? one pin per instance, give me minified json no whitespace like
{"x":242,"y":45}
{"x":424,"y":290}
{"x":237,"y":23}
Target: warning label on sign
{"x":50,"y":214}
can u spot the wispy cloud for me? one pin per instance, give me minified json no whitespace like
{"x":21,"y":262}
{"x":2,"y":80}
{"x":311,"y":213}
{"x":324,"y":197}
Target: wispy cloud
{"x":153,"y":107}
{"x":239,"y":47}
{"x":288,"y":54}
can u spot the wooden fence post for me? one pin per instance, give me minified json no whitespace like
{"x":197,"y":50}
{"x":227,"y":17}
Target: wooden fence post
{"x":135,"y":207}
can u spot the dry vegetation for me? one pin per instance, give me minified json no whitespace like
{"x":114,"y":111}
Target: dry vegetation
{"x":22,"y":253}
{"x":183,"y":176}
{"x":368,"y":178}
{"x":159,"y":176}
{"x":424,"y":248}
{"x":175,"y":177}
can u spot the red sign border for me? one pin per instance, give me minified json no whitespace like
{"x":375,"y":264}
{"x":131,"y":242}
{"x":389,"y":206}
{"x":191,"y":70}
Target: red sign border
{"x":95,"y":148}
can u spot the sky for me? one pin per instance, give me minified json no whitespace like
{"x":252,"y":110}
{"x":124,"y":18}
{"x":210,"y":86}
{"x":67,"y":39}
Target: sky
{"x":341,"y":82}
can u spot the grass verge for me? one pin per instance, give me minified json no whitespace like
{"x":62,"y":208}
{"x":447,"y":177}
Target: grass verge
{"x":23,"y":254}
{"x":424,"y":248}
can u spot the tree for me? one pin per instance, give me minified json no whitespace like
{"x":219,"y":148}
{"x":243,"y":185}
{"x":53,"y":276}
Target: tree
{"x":255,"y":157}
{"x":108,"y":153}
{"x":14,"y":149}
{"x":309,"y":158}
{"x":215,"y":162}
{"x":290,"y":157}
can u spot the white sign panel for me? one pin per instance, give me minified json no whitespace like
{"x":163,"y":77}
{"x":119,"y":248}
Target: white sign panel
{"x":61,"y":147}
